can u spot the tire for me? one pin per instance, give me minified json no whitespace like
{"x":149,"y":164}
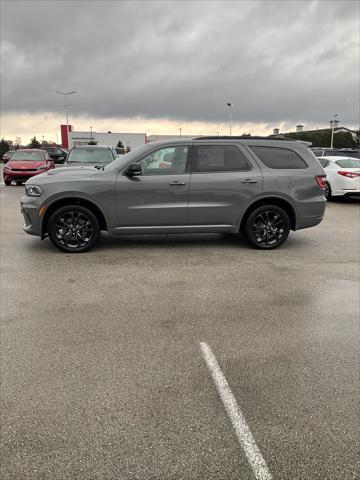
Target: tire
{"x":7,"y":182}
{"x":327,"y":191}
{"x":74,"y":229}
{"x":267,"y":227}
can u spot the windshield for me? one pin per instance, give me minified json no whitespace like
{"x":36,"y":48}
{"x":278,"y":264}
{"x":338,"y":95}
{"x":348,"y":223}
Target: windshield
{"x":348,"y":163}
{"x":28,"y":155}
{"x":90,"y":155}
{"x":134,"y":154}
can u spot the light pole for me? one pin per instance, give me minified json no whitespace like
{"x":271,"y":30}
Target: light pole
{"x":90,"y":134}
{"x":230,"y":105}
{"x":332,"y":130}
{"x":180,"y":132}
{"x":66,"y":108}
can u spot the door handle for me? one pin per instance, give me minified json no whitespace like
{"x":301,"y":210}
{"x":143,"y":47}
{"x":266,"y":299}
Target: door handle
{"x":248,"y":180}
{"x":176,"y":183}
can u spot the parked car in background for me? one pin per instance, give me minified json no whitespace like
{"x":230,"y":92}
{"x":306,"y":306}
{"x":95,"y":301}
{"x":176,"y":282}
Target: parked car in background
{"x":260,"y":187}
{"x":7,"y":155}
{"x":90,"y":155}
{"x":336,"y":152}
{"x":56,"y":153}
{"x":26,"y":163}
{"x":342,"y":176}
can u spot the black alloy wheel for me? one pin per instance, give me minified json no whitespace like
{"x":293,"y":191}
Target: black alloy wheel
{"x":73,"y":228}
{"x":267,"y":227}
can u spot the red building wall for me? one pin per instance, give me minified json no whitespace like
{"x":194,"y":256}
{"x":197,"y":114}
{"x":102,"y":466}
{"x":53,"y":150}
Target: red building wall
{"x":65,"y":136}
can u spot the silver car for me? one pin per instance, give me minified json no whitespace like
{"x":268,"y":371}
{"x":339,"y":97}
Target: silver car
{"x":261,"y":187}
{"x":90,"y":155}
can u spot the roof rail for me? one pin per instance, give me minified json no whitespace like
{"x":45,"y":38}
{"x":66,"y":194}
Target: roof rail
{"x":245,"y":137}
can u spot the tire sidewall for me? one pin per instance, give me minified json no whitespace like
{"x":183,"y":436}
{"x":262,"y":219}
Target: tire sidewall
{"x":78,"y":208}
{"x":247,"y":228}
{"x":328,"y":196}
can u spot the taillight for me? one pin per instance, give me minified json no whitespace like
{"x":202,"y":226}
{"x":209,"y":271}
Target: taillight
{"x":348,"y":174}
{"x":321,"y":180}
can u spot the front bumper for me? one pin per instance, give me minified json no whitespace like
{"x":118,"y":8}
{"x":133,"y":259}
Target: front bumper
{"x":30,"y":208}
{"x":20,"y":175}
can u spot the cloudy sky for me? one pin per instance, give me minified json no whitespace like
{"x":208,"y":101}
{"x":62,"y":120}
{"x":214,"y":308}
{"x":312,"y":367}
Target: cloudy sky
{"x":144,"y":66}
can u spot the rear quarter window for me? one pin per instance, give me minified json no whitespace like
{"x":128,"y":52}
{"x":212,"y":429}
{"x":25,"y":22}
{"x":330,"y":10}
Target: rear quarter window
{"x":348,"y":163}
{"x":279,"y":158}
{"x":323,"y":162}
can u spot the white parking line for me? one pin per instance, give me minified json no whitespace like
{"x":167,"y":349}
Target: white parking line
{"x":242,"y":431}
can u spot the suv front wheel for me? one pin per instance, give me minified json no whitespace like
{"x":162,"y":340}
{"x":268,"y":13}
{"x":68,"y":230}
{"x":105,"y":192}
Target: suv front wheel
{"x":267,"y":227}
{"x":73,"y":228}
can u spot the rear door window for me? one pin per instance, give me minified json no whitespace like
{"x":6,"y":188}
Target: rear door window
{"x":219,"y":158}
{"x":279,"y":158}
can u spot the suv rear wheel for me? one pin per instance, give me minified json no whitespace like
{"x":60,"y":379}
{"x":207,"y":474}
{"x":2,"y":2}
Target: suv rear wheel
{"x":73,"y":228}
{"x":267,"y":227}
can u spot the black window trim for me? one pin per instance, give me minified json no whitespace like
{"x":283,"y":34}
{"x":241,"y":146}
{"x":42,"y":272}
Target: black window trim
{"x":220,"y":144}
{"x":277,"y":147}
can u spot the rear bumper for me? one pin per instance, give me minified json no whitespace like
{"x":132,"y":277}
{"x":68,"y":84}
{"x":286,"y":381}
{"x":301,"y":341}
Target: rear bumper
{"x":311,"y":213}
{"x":310,"y":222}
{"x":345,"y":193}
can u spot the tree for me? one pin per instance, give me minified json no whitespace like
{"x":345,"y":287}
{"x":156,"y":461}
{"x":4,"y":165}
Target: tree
{"x":4,"y":147}
{"x":34,"y":143}
{"x":322,"y":138}
{"x":128,"y":149}
{"x":120,"y":144}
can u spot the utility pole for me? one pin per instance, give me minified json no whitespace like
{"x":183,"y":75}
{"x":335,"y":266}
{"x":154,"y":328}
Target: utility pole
{"x":230,"y":105}
{"x":66,"y":94}
{"x":332,"y":129}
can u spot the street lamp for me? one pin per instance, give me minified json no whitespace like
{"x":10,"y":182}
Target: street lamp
{"x":66,"y":108}
{"x":230,"y":105}
{"x":332,"y":129}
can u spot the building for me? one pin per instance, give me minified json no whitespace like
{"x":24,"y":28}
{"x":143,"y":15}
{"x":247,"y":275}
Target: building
{"x":73,"y":138}
{"x":131,"y":140}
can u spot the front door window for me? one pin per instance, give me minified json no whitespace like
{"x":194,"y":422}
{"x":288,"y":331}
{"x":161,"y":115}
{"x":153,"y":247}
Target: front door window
{"x":165,"y":161}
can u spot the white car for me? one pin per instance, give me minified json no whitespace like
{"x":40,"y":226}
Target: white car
{"x":342,"y":176}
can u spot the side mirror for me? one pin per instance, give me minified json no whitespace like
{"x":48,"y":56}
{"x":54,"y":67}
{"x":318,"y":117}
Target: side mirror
{"x":133,"y":170}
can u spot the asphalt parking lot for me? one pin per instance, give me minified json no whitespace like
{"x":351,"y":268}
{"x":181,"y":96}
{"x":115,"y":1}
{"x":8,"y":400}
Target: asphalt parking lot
{"x":104,"y":375}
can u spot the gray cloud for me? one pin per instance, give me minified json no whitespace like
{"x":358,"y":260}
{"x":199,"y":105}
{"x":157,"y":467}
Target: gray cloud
{"x":276,"y":60}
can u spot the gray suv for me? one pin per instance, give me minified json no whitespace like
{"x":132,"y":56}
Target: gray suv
{"x":261,"y":187}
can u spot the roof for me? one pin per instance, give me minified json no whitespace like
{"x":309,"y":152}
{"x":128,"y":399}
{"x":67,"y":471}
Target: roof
{"x":92,"y":146}
{"x":28,"y":150}
{"x":246,"y":137}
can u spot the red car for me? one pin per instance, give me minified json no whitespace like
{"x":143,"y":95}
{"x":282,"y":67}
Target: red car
{"x":26,"y":163}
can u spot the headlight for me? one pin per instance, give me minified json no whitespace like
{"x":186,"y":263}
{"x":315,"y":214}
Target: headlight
{"x":7,"y":167}
{"x":33,"y":190}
